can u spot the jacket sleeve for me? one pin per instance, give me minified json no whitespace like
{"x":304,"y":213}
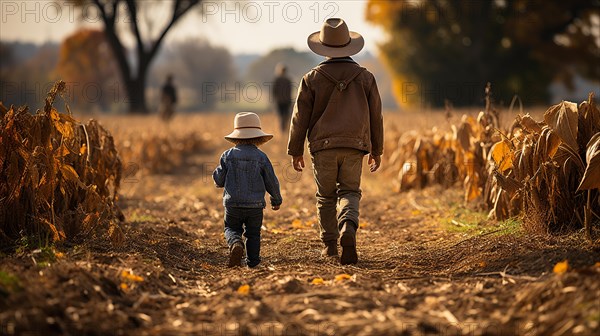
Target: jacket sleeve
{"x":300,"y":119}
{"x":220,"y":173}
{"x":271,"y":182}
{"x":376,"y":120}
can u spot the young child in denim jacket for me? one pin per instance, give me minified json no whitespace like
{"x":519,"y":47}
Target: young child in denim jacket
{"x":246,"y":173}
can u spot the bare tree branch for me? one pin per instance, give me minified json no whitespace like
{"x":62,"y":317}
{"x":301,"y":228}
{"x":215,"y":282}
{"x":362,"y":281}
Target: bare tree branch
{"x":131,"y":5}
{"x":135,"y":83}
{"x":179,"y":9}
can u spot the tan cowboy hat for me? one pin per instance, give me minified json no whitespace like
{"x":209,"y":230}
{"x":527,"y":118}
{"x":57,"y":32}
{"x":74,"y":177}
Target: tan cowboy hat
{"x":335,"y":40}
{"x":247,"y":126}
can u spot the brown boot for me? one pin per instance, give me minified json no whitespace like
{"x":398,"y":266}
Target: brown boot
{"x":236,"y":253}
{"x":348,"y":243}
{"x":330,"y":249}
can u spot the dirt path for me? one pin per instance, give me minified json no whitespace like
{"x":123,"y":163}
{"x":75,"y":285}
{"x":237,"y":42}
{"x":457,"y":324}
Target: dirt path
{"x":419,"y":272}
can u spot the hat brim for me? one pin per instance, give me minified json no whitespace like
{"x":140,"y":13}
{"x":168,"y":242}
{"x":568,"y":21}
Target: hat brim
{"x":248,"y":133}
{"x":357,"y":42}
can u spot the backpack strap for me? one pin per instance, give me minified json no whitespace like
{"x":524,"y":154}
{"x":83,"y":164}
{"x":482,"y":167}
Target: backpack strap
{"x":340,"y":85}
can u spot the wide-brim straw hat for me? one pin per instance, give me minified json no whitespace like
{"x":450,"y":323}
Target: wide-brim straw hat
{"x":247,"y":126}
{"x":335,"y":40}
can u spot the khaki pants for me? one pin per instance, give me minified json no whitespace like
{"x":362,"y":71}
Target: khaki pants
{"x":337,"y":175}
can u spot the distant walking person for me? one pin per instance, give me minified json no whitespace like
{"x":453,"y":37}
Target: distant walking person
{"x":168,"y":99}
{"x":282,"y":93}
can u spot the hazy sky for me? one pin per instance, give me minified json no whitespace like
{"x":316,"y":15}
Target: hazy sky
{"x":243,"y":27}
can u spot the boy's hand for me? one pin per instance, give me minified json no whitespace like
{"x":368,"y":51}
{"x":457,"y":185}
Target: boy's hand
{"x":275,"y":207}
{"x":374,"y":162}
{"x":298,"y":162}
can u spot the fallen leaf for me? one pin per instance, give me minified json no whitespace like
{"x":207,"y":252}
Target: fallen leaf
{"x":244,"y":290}
{"x":561,"y":267}
{"x":131,"y":277}
{"x":342,"y":277}
{"x":297,"y":224}
{"x":317,"y":281}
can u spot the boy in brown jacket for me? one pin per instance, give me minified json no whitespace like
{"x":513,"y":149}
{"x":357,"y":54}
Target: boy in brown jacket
{"x":338,"y":109}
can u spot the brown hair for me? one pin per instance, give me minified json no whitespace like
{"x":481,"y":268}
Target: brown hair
{"x":252,"y":141}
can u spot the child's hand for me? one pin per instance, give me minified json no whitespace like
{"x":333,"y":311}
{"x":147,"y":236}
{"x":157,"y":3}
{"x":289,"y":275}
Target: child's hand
{"x":275,"y":207}
{"x":374,"y":162}
{"x":298,"y":162}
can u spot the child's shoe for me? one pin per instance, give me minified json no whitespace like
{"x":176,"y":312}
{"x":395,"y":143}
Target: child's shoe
{"x":255,"y":266}
{"x":236,"y":253}
{"x":348,"y":243}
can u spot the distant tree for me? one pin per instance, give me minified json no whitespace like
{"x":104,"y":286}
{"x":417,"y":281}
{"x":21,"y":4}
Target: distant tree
{"x":85,"y":61}
{"x":448,"y":49}
{"x":131,"y":13}
{"x":6,"y":63}
{"x":6,"y":56}
{"x":27,"y":82}
{"x":199,"y":68}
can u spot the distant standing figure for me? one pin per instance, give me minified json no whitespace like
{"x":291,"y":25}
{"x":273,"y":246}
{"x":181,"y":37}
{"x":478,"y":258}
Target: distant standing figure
{"x":168,"y":99}
{"x":282,"y":93}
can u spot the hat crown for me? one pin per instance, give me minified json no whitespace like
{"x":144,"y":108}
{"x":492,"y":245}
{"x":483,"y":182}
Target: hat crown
{"x":335,"y":33}
{"x":246,"y":120}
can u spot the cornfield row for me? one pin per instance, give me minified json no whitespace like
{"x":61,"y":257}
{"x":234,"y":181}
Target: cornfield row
{"x":59,"y":177}
{"x":159,"y":152}
{"x":546,"y":171}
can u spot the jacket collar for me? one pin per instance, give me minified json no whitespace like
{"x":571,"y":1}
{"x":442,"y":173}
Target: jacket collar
{"x":346,"y":59}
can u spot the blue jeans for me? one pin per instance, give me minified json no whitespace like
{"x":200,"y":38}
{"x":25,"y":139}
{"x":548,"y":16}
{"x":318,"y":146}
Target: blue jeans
{"x":246,"y":221}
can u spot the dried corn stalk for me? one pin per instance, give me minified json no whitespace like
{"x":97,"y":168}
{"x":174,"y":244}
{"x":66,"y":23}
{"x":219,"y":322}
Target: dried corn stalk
{"x":160,"y":152}
{"x":58,"y":178}
{"x":447,"y":157}
{"x":548,"y":174}
{"x":547,"y":171}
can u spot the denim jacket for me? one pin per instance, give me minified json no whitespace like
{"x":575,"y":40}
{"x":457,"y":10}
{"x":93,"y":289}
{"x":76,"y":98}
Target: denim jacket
{"x":246,"y":173}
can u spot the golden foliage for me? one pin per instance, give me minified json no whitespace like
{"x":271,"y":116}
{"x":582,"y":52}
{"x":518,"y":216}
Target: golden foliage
{"x":502,"y":155}
{"x":59,"y":177}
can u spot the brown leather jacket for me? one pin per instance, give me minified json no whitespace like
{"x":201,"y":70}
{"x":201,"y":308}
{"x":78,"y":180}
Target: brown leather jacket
{"x":338,"y":106}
